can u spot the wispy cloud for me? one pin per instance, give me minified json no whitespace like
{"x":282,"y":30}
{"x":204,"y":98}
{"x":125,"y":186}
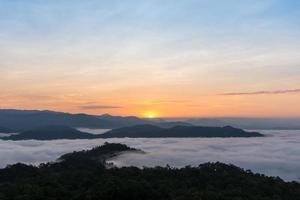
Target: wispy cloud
{"x":262,"y":92}
{"x":91,"y":107}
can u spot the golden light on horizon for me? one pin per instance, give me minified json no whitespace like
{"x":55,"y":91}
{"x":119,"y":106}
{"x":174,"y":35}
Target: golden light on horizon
{"x":150,"y":114}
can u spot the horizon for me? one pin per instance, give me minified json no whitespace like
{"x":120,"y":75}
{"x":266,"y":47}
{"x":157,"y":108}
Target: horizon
{"x":152,"y":59}
{"x":145,"y":117}
{"x":160,"y":99}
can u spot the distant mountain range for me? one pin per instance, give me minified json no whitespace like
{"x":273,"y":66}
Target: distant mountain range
{"x":248,"y":123}
{"x":138,"y":131}
{"x":22,"y":120}
{"x":150,"y":131}
{"x":51,"y":133}
{"x":119,"y":121}
{"x":5,"y":130}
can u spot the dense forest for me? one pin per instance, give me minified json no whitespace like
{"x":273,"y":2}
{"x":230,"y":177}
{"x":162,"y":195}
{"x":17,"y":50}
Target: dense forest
{"x":150,"y":131}
{"x":87,"y":175}
{"x":55,"y":132}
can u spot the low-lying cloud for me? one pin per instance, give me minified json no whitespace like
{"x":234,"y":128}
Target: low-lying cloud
{"x":262,"y":92}
{"x":275,"y":155}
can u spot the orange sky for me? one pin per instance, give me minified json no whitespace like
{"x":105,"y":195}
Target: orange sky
{"x":151,"y":58}
{"x":131,"y":103}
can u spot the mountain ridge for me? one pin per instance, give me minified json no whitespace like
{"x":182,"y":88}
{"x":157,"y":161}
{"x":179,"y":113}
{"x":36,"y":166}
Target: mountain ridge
{"x":22,"y":120}
{"x":137,"y":131}
{"x":50,"y":133}
{"x":6,"y":130}
{"x":149,"y":131}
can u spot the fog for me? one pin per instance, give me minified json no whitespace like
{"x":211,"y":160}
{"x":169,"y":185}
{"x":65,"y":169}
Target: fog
{"x":7,"y":134}
{"x":278,"y":154}
{"x":93,"y":131}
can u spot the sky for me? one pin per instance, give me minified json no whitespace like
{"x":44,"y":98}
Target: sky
{"x":152,"y":58}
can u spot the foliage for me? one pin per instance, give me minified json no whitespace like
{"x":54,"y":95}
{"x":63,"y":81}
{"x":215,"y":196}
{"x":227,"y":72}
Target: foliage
{"x":83,"y":175}
{"x":151,"y":131}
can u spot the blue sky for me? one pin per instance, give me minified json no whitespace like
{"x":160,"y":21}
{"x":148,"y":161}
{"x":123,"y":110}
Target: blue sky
{"x":98,"y":52}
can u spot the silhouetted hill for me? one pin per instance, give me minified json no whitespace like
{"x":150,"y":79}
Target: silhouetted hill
{"x":99,"y":154}
{"x":86,"y":175}
{"x":51,"y":133}
{"x":6,"y":130}
{"x":178,"y":131}
{"x":145,"y":130}
{"x":23,"y":120}
{"x":122,"y":121}
{"x":138,"y":131}
{"x":119,"y":121}
{"x":167,"y":124}
{"x":249,"y":123}
{"x":26,"y":120}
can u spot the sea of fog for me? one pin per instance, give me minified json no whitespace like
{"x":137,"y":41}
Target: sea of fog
{"x":277,"y":154}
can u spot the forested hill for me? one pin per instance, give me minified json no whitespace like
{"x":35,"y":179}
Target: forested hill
{"x":139,"y":131}
{"x":150,"y":131}
{"x":84,"y":176}
{"x":51,"y":133}
{"x":5,"y":130}
{"x":98,"y":154}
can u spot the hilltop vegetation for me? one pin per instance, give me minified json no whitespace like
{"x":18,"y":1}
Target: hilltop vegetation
{"x":51,"y":133}
{"x":150,"y":131}
{"x":5,"y":130}
{"x":84,"y":176}
{"x":139,"y":131}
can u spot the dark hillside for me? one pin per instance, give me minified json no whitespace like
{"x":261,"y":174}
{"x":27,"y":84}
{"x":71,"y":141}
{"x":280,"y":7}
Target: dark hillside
{"x":83,"y":176}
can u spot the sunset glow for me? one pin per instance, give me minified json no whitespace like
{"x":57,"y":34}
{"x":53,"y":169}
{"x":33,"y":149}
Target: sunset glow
{"x":150,"y":114}
{"x":144,"y":59}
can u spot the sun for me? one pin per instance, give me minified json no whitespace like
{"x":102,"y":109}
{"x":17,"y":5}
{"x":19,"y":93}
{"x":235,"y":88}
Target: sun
{"x":150,"y":114}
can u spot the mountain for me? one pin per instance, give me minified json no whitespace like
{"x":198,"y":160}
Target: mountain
{"x":51,"y":133}
{"x":22,"y":120}
{"x":168,"y":124}
{"x":119,"y":121}
{"x":6,"y":130}
{"x":150,"y":131}
{"x":99,"y":154}
{"x":55,"y":132}
{"x":26,"y":120}
{"x":88,"y":175}
{"x":249,"y":123}
{"x":145,"y":130}
{"x":132,"y":121}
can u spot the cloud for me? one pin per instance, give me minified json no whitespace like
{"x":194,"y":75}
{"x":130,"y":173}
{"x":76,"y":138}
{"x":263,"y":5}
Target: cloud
{"x":275,"y":155}
{"x":92,"y":107}
{"x":262,"y":92}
